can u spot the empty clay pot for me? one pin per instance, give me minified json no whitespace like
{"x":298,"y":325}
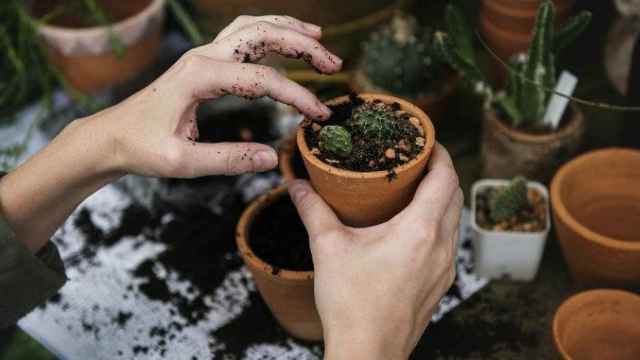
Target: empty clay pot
{"x":507,"y":152}
{"x":598,"y":325}
{"x":507,"y":25}
{"x":369,"y":198}
{"x":289,"y":294}
{"x":85,"y":55}
{"x":596,"y":207}
{"x":434,"y":104}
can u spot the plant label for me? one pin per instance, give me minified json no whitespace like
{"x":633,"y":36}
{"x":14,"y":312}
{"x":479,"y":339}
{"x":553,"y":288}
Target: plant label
{"x":558,"y":103}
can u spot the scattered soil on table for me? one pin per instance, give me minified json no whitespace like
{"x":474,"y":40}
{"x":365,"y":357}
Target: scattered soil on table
{"x":368,"y":155}
{"x":279,"y":238}
{"x":531,"y":219}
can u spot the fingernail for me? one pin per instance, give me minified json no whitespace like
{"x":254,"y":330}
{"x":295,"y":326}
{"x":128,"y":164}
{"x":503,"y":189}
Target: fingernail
{"x":265,"y":160}
{"x":313,"y":27}
{"x":325,"y":111}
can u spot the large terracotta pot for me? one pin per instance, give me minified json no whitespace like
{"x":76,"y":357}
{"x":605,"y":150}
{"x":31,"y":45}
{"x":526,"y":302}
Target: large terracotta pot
{"x":289,"y":294}
{"x":434,"y":104}
{"x":345,"y":23}
{"x":507,"y":152}
{"x":507,"y":25}
{"x":598,"y":324}
{"x":369,"y":198}
{"x":596,"y":207}
{"x":85,"y":55}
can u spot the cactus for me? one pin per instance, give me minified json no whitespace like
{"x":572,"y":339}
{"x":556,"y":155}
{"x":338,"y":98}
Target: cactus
{"x":375,"y":120}
{"x":399,"y":58}
{"x":508,"y":201}
{"x":531,"y":75}
{"x":335,"y":140}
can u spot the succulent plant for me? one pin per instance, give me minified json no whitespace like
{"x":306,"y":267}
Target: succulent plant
{"x":335,"y":140}
{"x":399,"y":58}
{"x":509,"y":200}
{"x":375,"y":120}
{"x":531,"y":74}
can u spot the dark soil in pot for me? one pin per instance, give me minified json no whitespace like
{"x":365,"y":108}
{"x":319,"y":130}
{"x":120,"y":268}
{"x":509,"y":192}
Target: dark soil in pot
{"x":532,"y":218}
{"x":279,"y":237}
{"x":369,"y":153}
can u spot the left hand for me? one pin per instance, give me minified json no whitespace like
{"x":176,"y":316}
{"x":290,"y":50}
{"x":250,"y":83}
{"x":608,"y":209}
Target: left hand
{"x":155,"y":131}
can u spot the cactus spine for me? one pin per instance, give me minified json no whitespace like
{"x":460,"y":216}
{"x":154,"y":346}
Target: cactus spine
{"x":508,"y":201}
{"x":335,"y":140}
{"x":376,"y":120}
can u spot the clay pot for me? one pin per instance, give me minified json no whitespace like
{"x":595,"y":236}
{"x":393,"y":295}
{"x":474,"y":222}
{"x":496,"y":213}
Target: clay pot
{"x":344,"y":24}
{"x":85,"y":55}
{"x":507,"y":25}
{"x":433,"y":104}
{"x":598,"y":324}
{"x":507,"y":152}
{"x":286,"y":158}
{"x":596,"y":208}
{"x":289,"y":294}
{"x":368,"y":198}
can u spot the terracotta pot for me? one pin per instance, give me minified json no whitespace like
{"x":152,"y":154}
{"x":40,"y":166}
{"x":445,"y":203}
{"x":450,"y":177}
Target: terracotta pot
{"x":507,"y":25}
{"x":434,"y":105}
{"x":289,"y":294}
{"x":507,"y":152}
{"x":596,"y":208}
{"x":598,"y":324}
{"x":369,"y":198}
{"x":85,"y":55}
{"x":344,"y":24}
{"x":286,"y":158}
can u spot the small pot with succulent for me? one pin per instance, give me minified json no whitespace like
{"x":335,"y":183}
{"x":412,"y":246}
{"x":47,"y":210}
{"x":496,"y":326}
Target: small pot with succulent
{"x":517,"y":136}
{"x":399,"y":59}
{"x":367,"y":160}
{"x":110,"y":43}
{"x":510,"y":223}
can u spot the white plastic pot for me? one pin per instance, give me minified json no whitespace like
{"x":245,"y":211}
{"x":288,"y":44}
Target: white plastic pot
{"x":511,"y":254}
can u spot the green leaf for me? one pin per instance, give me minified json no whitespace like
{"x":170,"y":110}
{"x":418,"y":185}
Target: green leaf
{"x":508,"y":106}
{"x":185,"y":21}
{"x":571,"y":31}
{"x":460,"y":31}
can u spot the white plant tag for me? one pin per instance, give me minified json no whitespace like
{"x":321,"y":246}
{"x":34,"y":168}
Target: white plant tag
{"x":558,"y":104}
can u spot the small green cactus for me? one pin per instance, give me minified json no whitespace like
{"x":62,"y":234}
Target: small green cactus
{"x":508,"y":201}
{"x":530,"y":74}
{"x":399,"y":58}
{"x":375,"y":120}
{"x":335,"y":140}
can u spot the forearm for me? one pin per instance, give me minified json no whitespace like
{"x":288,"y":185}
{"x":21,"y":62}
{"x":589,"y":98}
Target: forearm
{"x":360,"y":345}
{"x":38,"y":196}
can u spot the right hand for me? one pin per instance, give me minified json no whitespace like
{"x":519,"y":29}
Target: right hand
{"x":376,"y":288}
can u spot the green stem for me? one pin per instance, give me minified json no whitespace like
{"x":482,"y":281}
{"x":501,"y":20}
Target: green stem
{"x":186,"y":22}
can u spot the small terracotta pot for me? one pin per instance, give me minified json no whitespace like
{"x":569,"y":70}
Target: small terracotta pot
{"x":598,"y":324}
{"x":285,"y":158}
{"x":507,"y":152}
{"x":289,"y":294}
{"x":596,"y":208}
{"x":369,"y":198}
{"x":433,"y":104}
{"x":507,"y":25}
{"x":85,"y":55}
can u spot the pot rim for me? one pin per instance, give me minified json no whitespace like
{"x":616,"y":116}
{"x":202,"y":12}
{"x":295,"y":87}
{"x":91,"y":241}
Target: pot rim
{"x":477,"y":185}
{"x":576,"y":298}
{"x":563,"y":213}
{"x":575,"y":123}
{"x":61,"y":31}
{"x":285,"y":157}
{"x":407,"y":106}
{"x":242,"y":238}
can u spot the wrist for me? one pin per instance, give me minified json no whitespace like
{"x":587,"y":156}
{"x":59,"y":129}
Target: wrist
{"x":371,"y":344}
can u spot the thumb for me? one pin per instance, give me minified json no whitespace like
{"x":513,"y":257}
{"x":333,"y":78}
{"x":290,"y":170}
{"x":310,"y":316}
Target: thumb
{"x":202,"y":159}
{"x":316,"y":215}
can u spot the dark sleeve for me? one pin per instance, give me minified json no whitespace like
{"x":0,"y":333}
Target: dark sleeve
{"x":26,"y":280}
